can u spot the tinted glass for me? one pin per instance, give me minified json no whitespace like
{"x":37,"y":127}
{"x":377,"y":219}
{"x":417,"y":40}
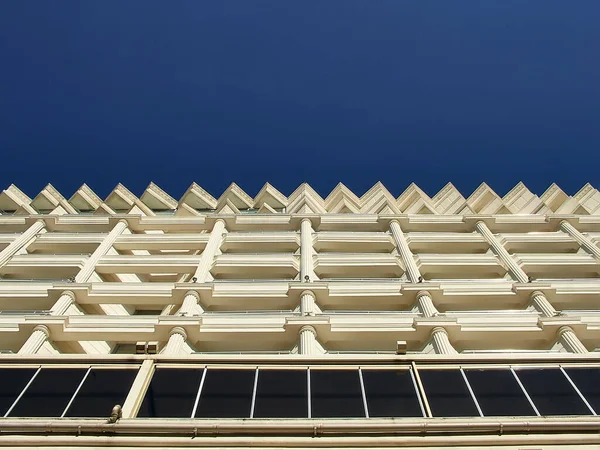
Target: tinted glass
{"x":588,"y":383}
{"x":101,"y":390}
{"x":551,"y":393}
{"x":12,"y":382}
{"x":49,"y":393}
{"x":171,"y":393}
{"x":498,"y":393}
{"x":226,"y":393}
{"x":336,"y":393}
{"x":391,"y":393}
{"x":447,"y":393}
{"x":281,"y":393}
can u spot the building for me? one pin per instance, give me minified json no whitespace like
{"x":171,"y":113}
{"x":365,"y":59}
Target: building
{"x":299,"y":321}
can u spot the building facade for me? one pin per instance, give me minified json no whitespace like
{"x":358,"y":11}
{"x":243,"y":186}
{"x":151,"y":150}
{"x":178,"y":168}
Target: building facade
{"x":300,"y":321}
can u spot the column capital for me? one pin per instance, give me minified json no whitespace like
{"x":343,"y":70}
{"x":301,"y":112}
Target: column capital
{"x":194,"y":293}
{"x":43,"y":328}
{"x":307,"y":292}
{"x":178,"y":330}
{"x":439,"y":330}
{"x":564,"y":222}
{"x":306,"y":219}
{"x":422,"y":294}
{"x":309,"y":328}
{"x":536,"y":293}
{"x":564,"y":329}
{"x":70,"y":294}
{"x":220,"y":221}
{"x":123,"y":221}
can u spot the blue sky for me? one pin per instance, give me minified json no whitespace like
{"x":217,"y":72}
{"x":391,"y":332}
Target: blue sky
{"x":286,"y":92}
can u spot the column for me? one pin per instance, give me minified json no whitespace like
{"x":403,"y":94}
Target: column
{"x":66,"y":299}
{"x":306,"y":250}
{"x":134,"y":399}
{"x":441,"y":343}
{"x":20,"y":241}
{"x":209,"y":253}
{"x":39,"y":336}
{"x":504,"y":256}
{"x":90,"y":265}
{"x":177,"y":338}
{"x":570,"y":341}
{"x":307,"y":303}
{"x":426,"y":305}
{"x":308,"y":340}
{"x":190,"y":304}
{"x":407,"y":257}
{"x":585,"y":242}
{"x":541,"y":303}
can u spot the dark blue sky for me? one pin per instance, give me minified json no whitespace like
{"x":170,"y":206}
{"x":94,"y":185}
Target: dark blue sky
{"x":286,"y":92}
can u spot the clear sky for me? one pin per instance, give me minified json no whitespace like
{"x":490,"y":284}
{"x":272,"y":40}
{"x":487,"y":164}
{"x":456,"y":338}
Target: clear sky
{"x":250,"y":91}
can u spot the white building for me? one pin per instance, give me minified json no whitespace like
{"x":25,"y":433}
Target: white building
{"x":299,"y":321}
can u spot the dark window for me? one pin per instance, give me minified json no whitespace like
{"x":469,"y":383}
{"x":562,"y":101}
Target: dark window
{"x":391,"y":393}
{"x":447,"y":393}
{"x":551,"y":392}
{"x":588,"y":383}
{"x":49,"y":394}
{"x":12,"y":382}
{"x":226,"y":393}
{"x":498,"y":393}
{"x":171,"y":393}
{"x":101,"y":390}
{"x":281,"y":393}
{"x":336,"y":393}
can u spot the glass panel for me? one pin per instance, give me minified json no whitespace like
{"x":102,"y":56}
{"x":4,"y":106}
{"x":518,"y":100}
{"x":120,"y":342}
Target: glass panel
{"x":336,"y":393}
{"x":447,"y":393}
{"x":171,"y":393}
{"x":49,"y":393}
{"x":551,"y":392}
{"x":391,"y":393}
{"x":588,"y":383}
{"x":226,"y":393}
{"x":101,"y":390}
{"x":12,"y":382}
{"x":281,"y":393}
{"x":498,"y":393}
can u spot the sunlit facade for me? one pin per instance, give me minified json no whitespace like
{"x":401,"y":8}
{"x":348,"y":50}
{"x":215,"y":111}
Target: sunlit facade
{"x":300,"y":321}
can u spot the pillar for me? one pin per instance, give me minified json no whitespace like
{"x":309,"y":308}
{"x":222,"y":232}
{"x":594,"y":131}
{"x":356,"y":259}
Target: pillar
{"x":306,"y":250}
{"x":177,"y":338}
{"x":441,"y":342}
{"x":499,"y":250}
{"x":570,"y":341}
{"x":190,"y":304}
{"x":307,"y":303}
{"x":426,"y":305}
{"x":541,"y":303}
{"x":90,"y":265}
{"x":16,"y":245}
{"x":39,"y":336}
{"x":407,"y":257}
{"x":210,"y":251}
{"x":308,"y":340}
{"x":585,"y":242}
{"x":66,"y":299}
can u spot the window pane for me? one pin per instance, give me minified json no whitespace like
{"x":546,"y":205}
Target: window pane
{"x":447,"y":393}
{"x":551,"y":393}
{"x":281,"y":393}
{"x":49,"y":393}
{"x":391,"y":393}
{"x":171,"y":393}
{"x":498,"y":393}
{"x":226,"y":393}
{"x":588,"y":383}
{"x":336,"y":393}
{"x":101,"y":390}
{"x":12,"y":382}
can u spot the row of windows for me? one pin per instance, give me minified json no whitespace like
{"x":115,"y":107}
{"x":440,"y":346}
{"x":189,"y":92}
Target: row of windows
{"x":303,"y":393}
